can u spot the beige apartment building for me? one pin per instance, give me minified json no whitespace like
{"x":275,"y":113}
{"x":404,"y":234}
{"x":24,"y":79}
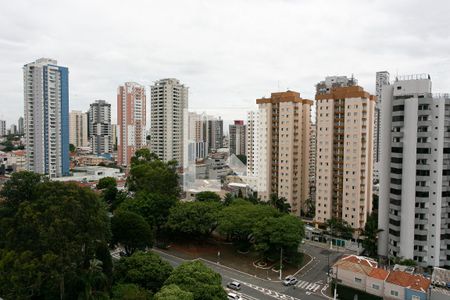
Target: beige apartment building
{"x":282,"y":148}
{"x":131,"y":121}
{"x":344,"y":159}
{"x":78,"y":128}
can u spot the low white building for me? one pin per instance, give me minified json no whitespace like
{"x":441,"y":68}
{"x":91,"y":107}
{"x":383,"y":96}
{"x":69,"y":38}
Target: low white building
{"x":92,"y":173}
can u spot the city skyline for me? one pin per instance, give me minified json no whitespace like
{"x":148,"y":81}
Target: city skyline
{"x":230,"y":75}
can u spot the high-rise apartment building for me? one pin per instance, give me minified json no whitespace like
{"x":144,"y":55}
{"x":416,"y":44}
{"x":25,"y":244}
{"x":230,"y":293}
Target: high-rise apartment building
{"x":344,"y":160}
{"x":114,"y":136}
{"x":131,"y":121}
{"x":78,"y":128}
{"x":20,"y":125}
{"x":238,"y":142}
{"x":382,"y":79}
{"x":46,"y":95}
{"x":2,"y":127}
{"x":169,"y":99}
{"x":100,"y":132}
{"x":312,"y":162}
{"x":282,"y":146}
{"x":13,"y":129}
{"x":252,"y":153}
{"x":215,"y":133}
{"x":414,"y":205}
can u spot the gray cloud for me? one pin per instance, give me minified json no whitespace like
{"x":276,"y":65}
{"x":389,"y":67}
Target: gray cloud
{"x":228,"y":52}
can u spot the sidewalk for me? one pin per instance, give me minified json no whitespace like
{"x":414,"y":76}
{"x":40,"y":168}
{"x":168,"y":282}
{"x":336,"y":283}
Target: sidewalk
{"x":327,"y":247}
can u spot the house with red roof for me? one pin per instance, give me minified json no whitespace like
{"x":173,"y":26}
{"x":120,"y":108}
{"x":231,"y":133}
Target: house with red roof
{"x":403,"y":285}
{"x":375,"y":281}
{"x":353,"y":271}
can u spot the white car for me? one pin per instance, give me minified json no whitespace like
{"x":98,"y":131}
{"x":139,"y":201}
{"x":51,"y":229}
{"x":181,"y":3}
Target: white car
{"x":233,"y":296}
{"x":234,"y":285}
{"x":290,"y":280}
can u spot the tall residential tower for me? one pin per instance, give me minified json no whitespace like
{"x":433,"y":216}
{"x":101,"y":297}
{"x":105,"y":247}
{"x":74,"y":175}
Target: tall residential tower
{"x":238,"y":142}
{"x":169,"y":103}
{"x":78,"y":128}
{"x":46,"y":95}
{"x":414,"y":206}
{"x":131,"y":121}
{"x":100,"y":131}
{"x":282,"y":146}
{"x":344,"y":129}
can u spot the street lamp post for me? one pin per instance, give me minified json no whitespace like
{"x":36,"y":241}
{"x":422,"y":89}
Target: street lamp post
{"x":281,"y":263}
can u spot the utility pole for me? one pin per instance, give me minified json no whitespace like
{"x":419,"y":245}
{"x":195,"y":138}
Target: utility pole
{"x":281,"y":263}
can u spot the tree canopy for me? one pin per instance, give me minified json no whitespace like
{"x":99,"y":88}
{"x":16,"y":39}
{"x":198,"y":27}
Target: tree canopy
{"x":173,"y":292}
{"x":339,"y":228}
{"x":145,"y":269}
{"x":193,"y":219}
{"x":131,"y":231}
{"x":152,"y":175}
{"x":153,"y":207}
{"x":130,"y":291}
{"x":272,"y":234}
{"x":207,"y":196}
{"x":238,"y":219}
{"x":53,"y":232}
{"x":201,"y":281}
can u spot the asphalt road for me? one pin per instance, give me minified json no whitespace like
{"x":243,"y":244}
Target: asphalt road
{"x":312,"y":279}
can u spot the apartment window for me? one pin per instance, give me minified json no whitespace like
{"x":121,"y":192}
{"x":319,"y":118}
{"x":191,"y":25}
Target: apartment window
{"x":398,"y":108}
{"x":358,"y":280}
{"x":414,"y":297}
{"x":397,"y":119}
{"x":422,"y":129}
{"x":375,"y":286}
{"x":394,"y":293}
{"x":422,"y":140}
{"x":423,"y":118}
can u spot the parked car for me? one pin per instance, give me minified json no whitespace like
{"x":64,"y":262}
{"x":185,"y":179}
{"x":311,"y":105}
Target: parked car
{"x":233,"y":296}
{"x":234,"y":285}
{"x":290,"y":280}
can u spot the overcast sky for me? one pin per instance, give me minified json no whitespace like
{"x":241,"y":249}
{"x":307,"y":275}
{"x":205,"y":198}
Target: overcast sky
{"x":228,"y":52}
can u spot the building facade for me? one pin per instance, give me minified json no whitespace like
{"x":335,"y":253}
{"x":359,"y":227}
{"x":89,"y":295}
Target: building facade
{"x":100,"y":131}
{"x":382,"y":79}
{"x":238,"y":142}
{"x":344,"y":160}
{"x":414,"y":205}
{"x":282,"y":146}
{"x":46,"y":95}
{"x":78,"y":128}
{"x":251,"y":134}
{"x":20,"y":125}
{"x":215,"y":133}
{"x":169,"y":103}
{"x":2,"y":127}
{"x":131,"y":121}
{"x":312,"y":163}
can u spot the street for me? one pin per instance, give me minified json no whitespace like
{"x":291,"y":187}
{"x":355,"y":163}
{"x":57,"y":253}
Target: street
{"x":312,"y":278}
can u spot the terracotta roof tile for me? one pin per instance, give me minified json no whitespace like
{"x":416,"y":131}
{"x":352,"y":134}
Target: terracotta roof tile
{"x":411,"y":281}
{"x":379,"y":273}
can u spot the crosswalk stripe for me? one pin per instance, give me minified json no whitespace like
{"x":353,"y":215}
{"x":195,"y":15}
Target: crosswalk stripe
{"x":303,"y":284}
{"x":315,"y":285}
{"x":308,"y":286}
{"x":316,"y":288}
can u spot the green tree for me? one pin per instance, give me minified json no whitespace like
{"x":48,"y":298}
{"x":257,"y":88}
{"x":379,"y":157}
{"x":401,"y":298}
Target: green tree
{"x":193,"y":219}
{"x":72,"y":148}
{"x":201,"y":281}
{"x":173,"y":292}
{"x":237,"y":221}
{"x":339,"y":228}
{"x":129,"y":291}
{"x":21,"y":187}
{"x":53,"y":232}
{"x":207,"y":196}
{"x":151,"y":175}
{"x":280,"y":203}
{"x":370,"y":235}
{"x":153,"y":207}
{"x":131,"y":231}
{"x":273,"y":234}
{"x":145,"y":269}
{"x":106,"y":183}
{"x":228,"y":199}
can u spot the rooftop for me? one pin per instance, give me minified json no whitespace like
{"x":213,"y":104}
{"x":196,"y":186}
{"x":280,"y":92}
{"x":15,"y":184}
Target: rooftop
{"x":410,"y":281}
{"x":355,"y":263}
